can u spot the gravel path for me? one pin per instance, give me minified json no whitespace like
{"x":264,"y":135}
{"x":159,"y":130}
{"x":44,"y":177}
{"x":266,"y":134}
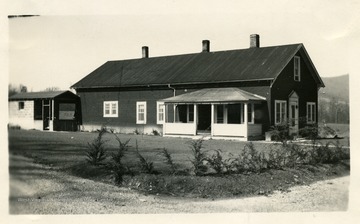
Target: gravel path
{"x":39,"y":189}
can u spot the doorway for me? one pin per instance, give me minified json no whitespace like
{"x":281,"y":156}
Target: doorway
{"x":204,"y":118}
{"x":46,"y":114}
{"x":294,"y":114}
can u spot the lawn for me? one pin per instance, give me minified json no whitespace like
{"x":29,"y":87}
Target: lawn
{"x":65,"y":151}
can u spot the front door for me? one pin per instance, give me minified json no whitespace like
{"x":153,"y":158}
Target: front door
{"x":294,"y":114}
{"x":204,"y":118}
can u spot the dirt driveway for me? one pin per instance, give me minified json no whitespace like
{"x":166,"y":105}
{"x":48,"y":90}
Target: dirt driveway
{"x":39,"y":189}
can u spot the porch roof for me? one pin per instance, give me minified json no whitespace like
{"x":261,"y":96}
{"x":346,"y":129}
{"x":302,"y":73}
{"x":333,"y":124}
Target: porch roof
{"x":215,"y":95}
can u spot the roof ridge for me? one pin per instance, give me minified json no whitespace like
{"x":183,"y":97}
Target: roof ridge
{"x":197,"y":53}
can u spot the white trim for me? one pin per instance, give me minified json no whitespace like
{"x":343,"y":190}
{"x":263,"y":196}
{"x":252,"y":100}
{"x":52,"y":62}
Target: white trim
{"x":297,"y":74}
{"x":312,"y":112}
{"x":282,"y":118}
{"x":160,"y":105}
{"x":143,"y":105}
{"x":112,"y":105}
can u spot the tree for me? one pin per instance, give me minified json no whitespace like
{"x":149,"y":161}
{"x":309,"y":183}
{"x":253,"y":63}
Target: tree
{"x":12,"y":90}
{"x":52,"y":89}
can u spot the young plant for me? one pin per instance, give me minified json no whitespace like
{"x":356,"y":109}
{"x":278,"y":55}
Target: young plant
{"x":96,"y":152}
{"x":199,"y":156}
{"x":145,"y":165}
{"x":155,"y":132}
{"x":168,"y":160}
{"x":116,"y":166}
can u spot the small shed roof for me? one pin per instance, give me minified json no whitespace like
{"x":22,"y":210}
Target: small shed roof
{"x":215,"y":95}
{"x":41,"y":95}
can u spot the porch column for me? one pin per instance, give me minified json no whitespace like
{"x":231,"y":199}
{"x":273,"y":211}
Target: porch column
{"x":195,"y":118}
{"x":246,"y":119}
{"x":212,"y":119}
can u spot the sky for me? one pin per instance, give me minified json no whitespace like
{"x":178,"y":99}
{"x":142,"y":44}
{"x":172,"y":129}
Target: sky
{"x":57,"y":50}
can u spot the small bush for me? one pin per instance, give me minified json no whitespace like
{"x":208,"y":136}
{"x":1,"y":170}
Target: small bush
{"x":96,"y":152}
{"x":199,"y":157}
{"x":116,"y":166}
{"x":295,"y":154}
{"x":217,"y":162}
{"x":310,"y":132}
{"x":137,"y":132}
{"x":280,"y":132}
{"x":168,"y":160}
{"x":276,"y":158}
{"x":250,"y":160}
{"x":145,"y":165}
{"x":155,"y":132}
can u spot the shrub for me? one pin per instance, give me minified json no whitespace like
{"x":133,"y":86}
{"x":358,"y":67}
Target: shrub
{"x":156,"y":132}
{"x":310,"y":131}
{"x":168,"y":160}
{"x":217,"y":162}
{"x":145,"y":165}
{"x":280,"y":132}
{"x":96,"y":152}
{"x":250,"y":160}
{"x":117,"y":168}
{"x":137,"y":132}
{"x":199,"y":157}
{"x":295,"y":154}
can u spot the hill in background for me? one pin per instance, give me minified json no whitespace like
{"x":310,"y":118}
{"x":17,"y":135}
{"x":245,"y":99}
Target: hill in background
{"x":335,"y":87}
{"x":334,"y":100}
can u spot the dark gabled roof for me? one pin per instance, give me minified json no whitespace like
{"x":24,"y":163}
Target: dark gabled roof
{"x":41,"y":95}
{"x":263,"y":63}
{"x":215,"y":95}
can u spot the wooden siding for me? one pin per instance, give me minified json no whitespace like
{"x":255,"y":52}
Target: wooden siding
{"x":306,"y":89}
{"x":92,"y":105}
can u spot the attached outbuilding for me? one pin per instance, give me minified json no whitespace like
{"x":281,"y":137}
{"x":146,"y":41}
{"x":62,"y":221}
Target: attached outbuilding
{"x":48,"y":111}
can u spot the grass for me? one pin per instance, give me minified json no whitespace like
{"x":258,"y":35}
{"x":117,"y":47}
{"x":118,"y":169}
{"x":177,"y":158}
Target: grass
{"x":66,"y":152}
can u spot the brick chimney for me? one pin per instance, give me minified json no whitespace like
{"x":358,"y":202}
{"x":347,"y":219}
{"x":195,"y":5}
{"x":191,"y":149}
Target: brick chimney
{"x":145,"y":52}
{"x":205,"y":46}
{"x":254,"y":40}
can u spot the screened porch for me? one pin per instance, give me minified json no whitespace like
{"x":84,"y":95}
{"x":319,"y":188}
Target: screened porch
{"x":223,"y":112}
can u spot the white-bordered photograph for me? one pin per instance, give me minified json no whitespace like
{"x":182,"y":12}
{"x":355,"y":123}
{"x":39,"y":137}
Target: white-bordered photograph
{"x":179,"y":108}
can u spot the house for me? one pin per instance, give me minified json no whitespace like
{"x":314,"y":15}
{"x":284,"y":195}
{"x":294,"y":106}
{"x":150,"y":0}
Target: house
{"x":234,"y":93}
{"x":52,"y":111}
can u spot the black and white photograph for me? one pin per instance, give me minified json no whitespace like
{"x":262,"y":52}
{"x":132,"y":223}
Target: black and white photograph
{"x":181,"y":108}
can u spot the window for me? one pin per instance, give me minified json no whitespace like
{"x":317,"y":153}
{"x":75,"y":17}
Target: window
{"x":310,"y":112}
{"x":280,"y":111}
{"x":38,"y":110}
{"x":21,"y":105}
{"x":141,"y":112}
{"x":160,"y":115}
{"x":250,"y":113}
{"x":110,"y":108}
{"x":297,"y":68}
{"x":220,"y":114}
{"x":234,"y":113}
{"x":190,"y":113}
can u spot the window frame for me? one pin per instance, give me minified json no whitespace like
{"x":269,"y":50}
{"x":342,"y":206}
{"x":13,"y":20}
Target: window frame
{"x":141,"y":103}
{"x":312,"y":106}
{"x":160,"y":104}
{"x":111,"y":114}
{"x":282,"y":118}
{"x":297,"y":71}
